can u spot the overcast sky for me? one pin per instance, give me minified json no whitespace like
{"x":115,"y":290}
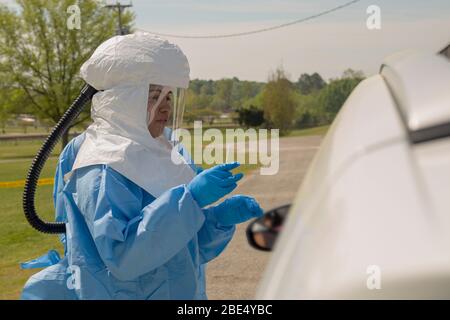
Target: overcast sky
{"x":328,"y":44}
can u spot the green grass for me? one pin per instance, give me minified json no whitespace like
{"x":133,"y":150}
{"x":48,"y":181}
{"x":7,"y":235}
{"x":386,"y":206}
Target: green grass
{"x":17,"y":170}
{"x":22,"y":149}
{"x":316,"y":131}
{"x":18,"y":241}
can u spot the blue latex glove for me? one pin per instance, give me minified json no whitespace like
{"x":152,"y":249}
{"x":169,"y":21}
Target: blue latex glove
{"x":49,"y":259}
{"x":212,"y":184}
{"x":237,"y":209}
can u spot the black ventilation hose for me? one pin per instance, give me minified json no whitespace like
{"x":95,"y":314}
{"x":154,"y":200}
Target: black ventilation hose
{"x":39,"y":161}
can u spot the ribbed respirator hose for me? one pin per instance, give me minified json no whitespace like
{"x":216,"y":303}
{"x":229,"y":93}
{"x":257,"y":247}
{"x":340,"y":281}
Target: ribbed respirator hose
{"x":38,"y":163}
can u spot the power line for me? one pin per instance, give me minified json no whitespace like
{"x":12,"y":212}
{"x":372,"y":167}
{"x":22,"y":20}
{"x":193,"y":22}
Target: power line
{"x":246,"y":33}
{"x":120,"y":7}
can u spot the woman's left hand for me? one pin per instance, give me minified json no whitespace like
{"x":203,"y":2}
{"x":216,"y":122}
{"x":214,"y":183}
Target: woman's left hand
{"x":237,"y":209}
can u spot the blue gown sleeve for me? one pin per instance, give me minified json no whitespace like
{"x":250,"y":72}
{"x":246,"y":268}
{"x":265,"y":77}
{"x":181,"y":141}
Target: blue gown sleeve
{"x":65,"y":163}
{"x":132,"y":240}
{"x":213,"y":237}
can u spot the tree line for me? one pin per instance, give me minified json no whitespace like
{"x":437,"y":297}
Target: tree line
{"x":280,"y":103}
{"x":40,"y":58}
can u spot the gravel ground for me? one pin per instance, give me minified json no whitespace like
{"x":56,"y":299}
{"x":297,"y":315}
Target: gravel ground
{"x":235,"y":274}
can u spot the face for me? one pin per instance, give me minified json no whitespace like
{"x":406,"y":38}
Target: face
{"x":158,"y":115}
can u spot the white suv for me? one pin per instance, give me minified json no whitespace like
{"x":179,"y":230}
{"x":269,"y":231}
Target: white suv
{"x":372,"y":217}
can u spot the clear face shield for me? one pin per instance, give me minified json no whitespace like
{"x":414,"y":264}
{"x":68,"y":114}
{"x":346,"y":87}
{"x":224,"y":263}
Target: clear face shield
{"x":165,"y":109}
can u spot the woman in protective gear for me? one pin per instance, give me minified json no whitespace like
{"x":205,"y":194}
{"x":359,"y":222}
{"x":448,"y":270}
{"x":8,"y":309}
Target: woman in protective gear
{"x":137,"y":222}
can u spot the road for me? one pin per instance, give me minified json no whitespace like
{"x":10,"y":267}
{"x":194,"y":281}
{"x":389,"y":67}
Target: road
{"x":235,"y":274}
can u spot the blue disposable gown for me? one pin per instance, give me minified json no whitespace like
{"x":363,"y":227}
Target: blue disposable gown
{"x":122,"y":243}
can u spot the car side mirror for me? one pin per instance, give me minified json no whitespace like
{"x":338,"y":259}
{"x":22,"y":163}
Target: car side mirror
{"x":263,"y":232}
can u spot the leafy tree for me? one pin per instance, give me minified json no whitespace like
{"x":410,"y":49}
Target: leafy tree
{"x":12,"y":101}
{"x":352,"y":74}
{"x":221,"y":95}
{"x":309,"y":112}
{"x":207,"y":88}
{"x":250,"y":117}
{"x":243,"y":91}
{"x":279,"y":101}
{"x":224,"y":91}
{"x":194,"y":101}
{"x":218,"y":103}
{"x":257,"y":101}
{"x":310,"y":83}
{"x":195,"y":86}
{"x":334,"y":95}
{"x":42,"y":56}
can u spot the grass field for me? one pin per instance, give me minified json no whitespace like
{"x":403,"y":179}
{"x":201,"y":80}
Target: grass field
{"x":317,"y":131}
{"x":22,"y":149}
{"x":18,"y":241}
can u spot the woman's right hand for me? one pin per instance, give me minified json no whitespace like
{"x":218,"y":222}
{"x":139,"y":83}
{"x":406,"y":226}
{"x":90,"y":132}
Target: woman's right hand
{"x":212,"y":184}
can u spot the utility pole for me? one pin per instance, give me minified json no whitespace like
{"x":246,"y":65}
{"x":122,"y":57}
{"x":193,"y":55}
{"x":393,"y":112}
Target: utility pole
{"x":120,"y":7}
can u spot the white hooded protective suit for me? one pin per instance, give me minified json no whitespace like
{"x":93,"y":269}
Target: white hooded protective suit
{"x":133,"y":228}
{"x":124,"y":67}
